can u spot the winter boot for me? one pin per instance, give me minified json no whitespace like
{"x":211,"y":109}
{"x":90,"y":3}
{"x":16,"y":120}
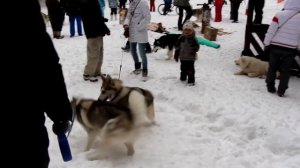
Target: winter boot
{"x":191,"y":78}
{"x":90,"y":78}
{"x":138,"y":69}
{"x":183,"y":76}
{"x":280,"y":92}
{"x":57,"y":35}
{"x":271,"y":88}
{"x":145,"y":73}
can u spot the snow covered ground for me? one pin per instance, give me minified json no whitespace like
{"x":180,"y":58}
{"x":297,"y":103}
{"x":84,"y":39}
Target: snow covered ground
{"x":224,"y":121}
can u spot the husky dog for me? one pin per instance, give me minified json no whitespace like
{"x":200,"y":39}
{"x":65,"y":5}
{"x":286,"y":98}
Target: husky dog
{"x":106,"y":121}
{"x":198,"y":13}
{"x":139,"y":101}
{"x":169,"y":41}
{"x":123,"y":14}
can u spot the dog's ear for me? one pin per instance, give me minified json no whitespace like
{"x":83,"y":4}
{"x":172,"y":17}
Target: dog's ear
{"x":106,"y":80}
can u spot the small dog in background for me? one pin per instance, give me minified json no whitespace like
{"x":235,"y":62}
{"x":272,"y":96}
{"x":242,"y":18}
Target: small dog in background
{"x":198,"y":13}
{"x":252,"y":67}
{"x":167,"y":41}
{"x":157,"y":27}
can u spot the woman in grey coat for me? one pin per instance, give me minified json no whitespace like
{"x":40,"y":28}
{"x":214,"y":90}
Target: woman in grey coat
{"x":136,"y":23}
{"x":282,"y":41}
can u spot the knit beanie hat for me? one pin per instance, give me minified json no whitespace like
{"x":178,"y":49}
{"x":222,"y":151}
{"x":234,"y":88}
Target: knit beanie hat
{"x":188,"y":25}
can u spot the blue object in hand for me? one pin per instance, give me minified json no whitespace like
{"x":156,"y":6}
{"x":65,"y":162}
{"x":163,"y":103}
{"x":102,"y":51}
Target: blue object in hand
{"x":64,"y":147}
{"x":203,"y":41}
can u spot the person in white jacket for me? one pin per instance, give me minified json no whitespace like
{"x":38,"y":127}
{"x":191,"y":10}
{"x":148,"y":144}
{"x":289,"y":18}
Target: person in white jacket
{"x":136,"y":22}
{"x":281,"y":42}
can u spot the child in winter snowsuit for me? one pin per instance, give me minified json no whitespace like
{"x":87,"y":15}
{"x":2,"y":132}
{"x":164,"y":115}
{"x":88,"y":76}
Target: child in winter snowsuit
{"x":186,"y":50}
{"x":281,"y":42}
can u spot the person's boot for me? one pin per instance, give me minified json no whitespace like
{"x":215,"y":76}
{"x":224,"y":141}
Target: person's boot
{"x":280,"y":92}
{"x":271,"y":88}
{"x":145,"y":73}
{"x":56,"y":34}
{"x":183,"y":76}
{"x":138,"y":69}
{"x":111,"y":17}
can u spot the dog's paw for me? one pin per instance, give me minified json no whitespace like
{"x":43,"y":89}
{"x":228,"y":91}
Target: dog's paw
{"x":253,"y":75}
{"x":238,"y":73}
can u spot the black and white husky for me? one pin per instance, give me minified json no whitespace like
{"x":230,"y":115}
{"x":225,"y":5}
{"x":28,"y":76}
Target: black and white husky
{"x":167,"y":41}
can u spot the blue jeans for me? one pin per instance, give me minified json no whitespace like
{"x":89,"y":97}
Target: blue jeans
{"x":142,"y":53}
{"x":72,"y":25}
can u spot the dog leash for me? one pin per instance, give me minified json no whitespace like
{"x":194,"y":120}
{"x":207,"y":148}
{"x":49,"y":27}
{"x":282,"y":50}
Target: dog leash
{"x":121,"y":62}
{"x":72,"y":122}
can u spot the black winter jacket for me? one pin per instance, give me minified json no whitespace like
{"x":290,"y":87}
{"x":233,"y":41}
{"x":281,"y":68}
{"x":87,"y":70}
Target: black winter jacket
{"x":93,"y":21}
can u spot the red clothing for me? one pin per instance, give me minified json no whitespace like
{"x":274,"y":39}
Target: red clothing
{"x":219,"y":2}
{"x":218,"y":10}
{"x":152,"y":5}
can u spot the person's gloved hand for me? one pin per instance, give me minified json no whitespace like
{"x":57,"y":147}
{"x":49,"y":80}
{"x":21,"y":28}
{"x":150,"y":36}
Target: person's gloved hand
{"x":126,"y":32}
{"x":266,"y":51}
{"x":125,"y":26}
{"x":105,"y":19}
{"x":61,"y":127}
